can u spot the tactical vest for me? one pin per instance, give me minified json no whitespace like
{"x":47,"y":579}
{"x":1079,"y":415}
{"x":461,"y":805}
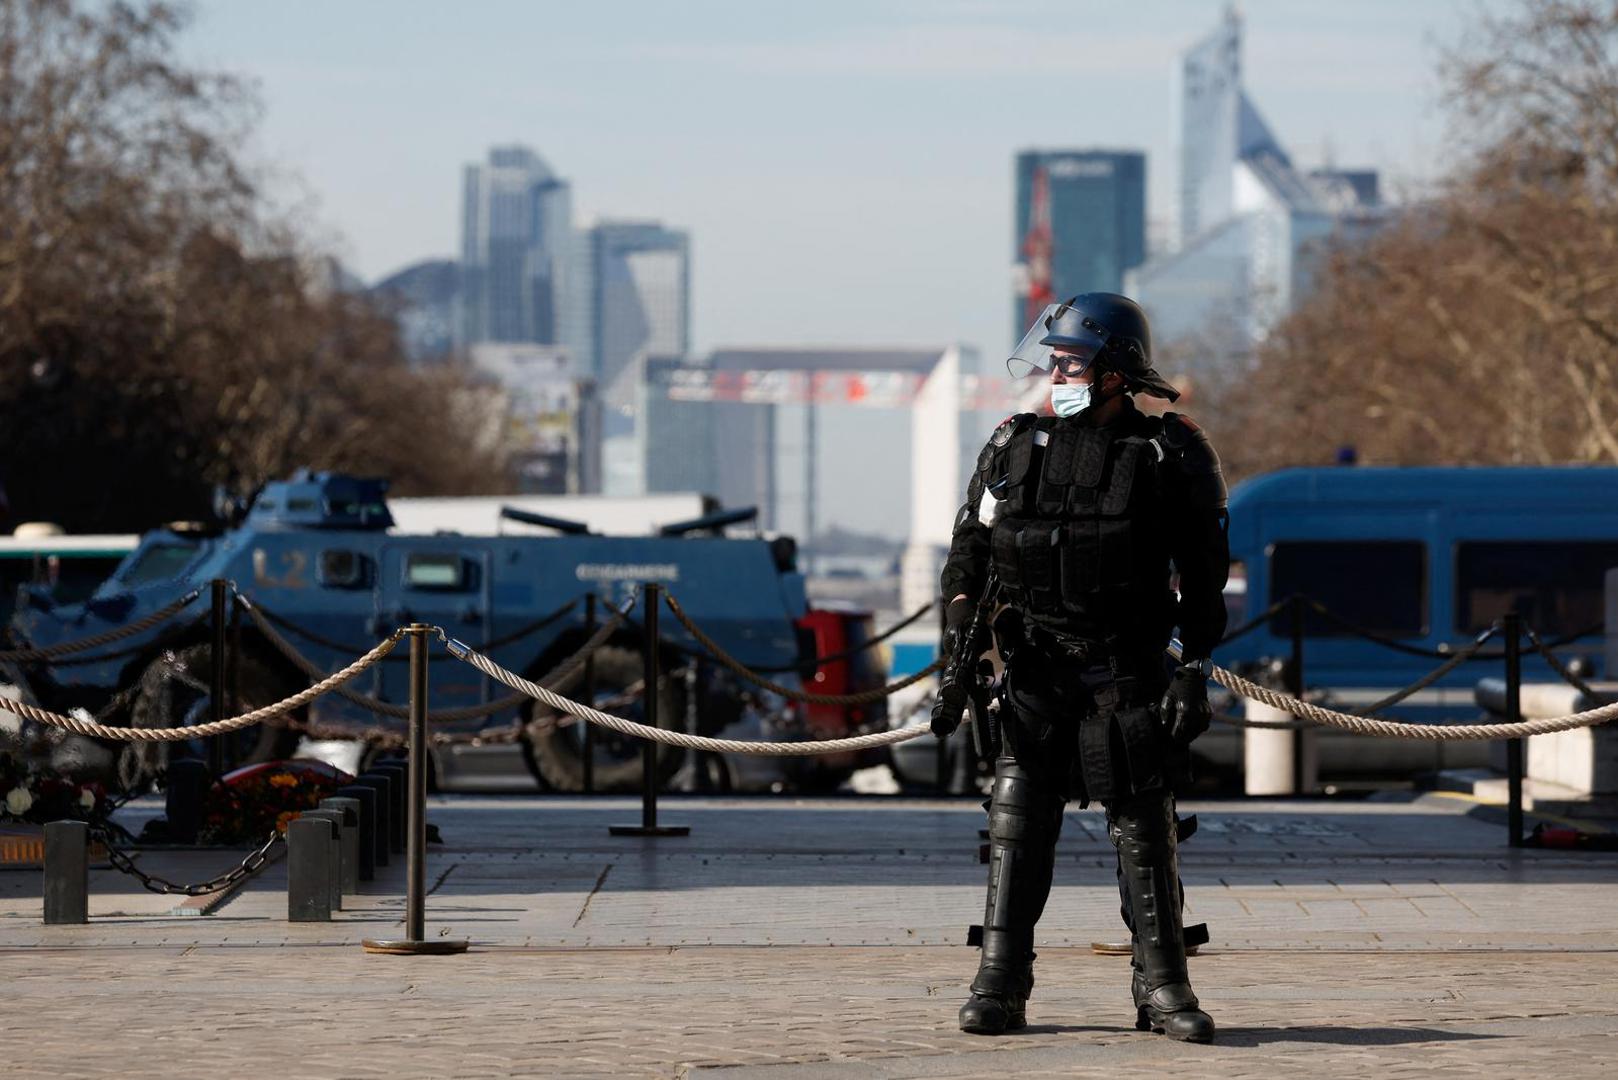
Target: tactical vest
{"x":1077,"y":538}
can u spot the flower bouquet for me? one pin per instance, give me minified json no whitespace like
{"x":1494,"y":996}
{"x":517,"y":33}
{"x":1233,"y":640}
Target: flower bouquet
{"x":245,"y":805}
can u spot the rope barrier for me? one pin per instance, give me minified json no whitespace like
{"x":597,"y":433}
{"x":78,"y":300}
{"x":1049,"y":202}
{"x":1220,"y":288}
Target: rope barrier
{"x":822,"y":661}
{"x":738,"y":668}
{"x":216,"y":727}
{"x":1256,"y":621}
{"x":1365,"y":725}
{"x":678,"y":738}
{"x":161,"y":615}
{"x":559,"y":678}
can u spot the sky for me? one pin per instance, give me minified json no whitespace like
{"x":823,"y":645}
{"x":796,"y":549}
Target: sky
{"x":844,"y":168}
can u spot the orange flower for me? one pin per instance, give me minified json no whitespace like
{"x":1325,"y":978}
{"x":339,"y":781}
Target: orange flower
{"x":284,"y":780}
{"x":283,"y":818}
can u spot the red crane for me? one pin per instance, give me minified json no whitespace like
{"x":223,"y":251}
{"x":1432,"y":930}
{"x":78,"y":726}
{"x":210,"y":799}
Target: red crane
{"x":1037,"y":246}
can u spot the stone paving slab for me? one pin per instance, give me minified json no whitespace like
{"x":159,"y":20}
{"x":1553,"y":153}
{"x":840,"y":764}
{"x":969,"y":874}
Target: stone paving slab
{"x":801,"y":939}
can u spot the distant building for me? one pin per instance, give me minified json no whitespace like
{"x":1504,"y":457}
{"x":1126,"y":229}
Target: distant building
{"x":516,"y":223}
{"x":629,"y":298}
{"x":1251,"y":225}
{"x":422,"y":298}
{"x":1080,"y":225}
{"x":550,"y":415}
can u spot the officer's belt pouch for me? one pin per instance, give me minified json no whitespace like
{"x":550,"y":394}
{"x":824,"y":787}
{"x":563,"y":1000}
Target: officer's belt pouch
{"x":1141,"y":736}
{"x":1095,"y":756}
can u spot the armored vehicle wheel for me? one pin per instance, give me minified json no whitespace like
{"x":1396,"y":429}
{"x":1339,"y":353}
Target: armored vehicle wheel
{"x":556,"y":755}
{"x":173,"y":692}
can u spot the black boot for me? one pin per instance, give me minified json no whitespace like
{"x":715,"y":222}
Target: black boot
{"x":1023,"y":826}
{"x":1142,"y":828}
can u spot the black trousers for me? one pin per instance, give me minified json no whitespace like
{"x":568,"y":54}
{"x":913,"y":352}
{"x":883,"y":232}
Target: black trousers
{"x":1085,"y":731}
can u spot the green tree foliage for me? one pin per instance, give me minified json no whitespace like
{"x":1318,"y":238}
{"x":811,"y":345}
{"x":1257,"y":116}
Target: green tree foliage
{"x":159,"y":334}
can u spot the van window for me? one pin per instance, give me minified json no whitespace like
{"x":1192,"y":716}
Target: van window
{"x":1557,"y":586}
{"x":1380,"y":585}
{"x":160,"y":562}
{"x":432,"y":571}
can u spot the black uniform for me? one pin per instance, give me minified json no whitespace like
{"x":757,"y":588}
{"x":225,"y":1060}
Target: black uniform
{"x":1082,"y":523}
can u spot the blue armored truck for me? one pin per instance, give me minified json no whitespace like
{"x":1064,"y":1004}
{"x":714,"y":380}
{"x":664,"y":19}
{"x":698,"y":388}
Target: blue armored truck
{"x":315,"y":557}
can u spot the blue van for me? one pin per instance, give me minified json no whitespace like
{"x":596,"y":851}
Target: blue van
{"x":1424,"y":557}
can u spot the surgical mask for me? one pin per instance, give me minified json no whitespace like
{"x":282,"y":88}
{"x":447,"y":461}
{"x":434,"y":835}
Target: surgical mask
{"x":1070,"y":399}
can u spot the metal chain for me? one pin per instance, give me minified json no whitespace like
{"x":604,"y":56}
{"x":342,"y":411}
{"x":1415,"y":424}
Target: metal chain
{"x":738,"y":668}
{"x":141,"y":625}
{"x":249,"y":865}
{"x":1431,"y":677}
{"x":1562,"y":669}
{"x":331,"y":643}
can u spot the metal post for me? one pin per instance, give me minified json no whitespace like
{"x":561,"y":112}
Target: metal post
{"x":1514,"y":747}
{"x":589,"y":695}
{"x":653,"y":594}
{"x":1295,"y":688}
{"x":310,"y":841}
{"x":233,"y":676}
{"x":220,"y":590}
{"x":415,"y":939}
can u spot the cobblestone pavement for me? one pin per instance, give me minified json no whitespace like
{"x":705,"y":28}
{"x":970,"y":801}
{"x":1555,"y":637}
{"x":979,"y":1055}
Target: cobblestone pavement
{"x":805,"y":939}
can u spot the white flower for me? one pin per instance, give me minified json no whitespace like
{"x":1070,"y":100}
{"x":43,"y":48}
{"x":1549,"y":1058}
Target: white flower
{"x":18,"y":800}
{"x":87,"y":799}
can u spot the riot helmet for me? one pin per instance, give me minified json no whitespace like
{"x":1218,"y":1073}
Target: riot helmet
{"x":1107,"y":329}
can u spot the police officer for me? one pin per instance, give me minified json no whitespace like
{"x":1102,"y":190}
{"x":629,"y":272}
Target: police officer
{"x":1085,"y":516}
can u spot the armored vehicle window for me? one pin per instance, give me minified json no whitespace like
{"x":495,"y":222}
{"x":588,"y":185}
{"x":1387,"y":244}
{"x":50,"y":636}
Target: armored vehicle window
{"x":300,"y":506}
{"x":160,"y":562}
{"x":1557,"y":586}
{"x":1379,"y":585}
{"x":423,"y":571}
{"x":340,"y":568}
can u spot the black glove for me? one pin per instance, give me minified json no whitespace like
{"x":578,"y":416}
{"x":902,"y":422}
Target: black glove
{"x":1185,"y":711}
{"x":956,"y":616}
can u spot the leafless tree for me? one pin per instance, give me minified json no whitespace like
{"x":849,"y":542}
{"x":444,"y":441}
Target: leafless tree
{"x":159,"y":334}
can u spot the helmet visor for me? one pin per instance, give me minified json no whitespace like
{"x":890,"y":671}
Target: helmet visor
{"x":1059,"y":328}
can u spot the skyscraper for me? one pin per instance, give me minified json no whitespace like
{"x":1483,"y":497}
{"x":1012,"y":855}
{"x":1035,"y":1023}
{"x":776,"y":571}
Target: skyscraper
{"x":1251,"y":224}
{"x":1080,"y":224}
{"x":516,"y":219}
{"x":628,"y":297}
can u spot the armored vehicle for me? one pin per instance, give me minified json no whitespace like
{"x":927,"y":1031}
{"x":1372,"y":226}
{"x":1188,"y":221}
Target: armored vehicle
{"x":315,"y":556}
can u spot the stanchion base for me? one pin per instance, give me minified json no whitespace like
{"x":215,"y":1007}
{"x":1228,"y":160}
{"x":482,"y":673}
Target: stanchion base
{"x":649,"y":830}
{"x":438,"y":947}
{"x":1121,"y":948}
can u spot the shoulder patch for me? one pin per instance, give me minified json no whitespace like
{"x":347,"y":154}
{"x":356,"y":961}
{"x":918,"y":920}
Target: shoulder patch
{"x":1009,"y":427}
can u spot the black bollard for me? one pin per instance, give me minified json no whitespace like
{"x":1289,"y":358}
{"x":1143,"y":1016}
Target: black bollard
{"x":187,"y":783}
{"x":350,"y":809}
{"x":309,"y":869}
{"x":398,"y":795}
{"x":67,"y":873}
{"x":648,"y":826}
{"x":1512,"y":628}
{"x":366,"y":797}
{"x":334,"y":853}
{"x":382,"y":784}
{"x":415,"y":940}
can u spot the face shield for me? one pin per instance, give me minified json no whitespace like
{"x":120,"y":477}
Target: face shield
{"x":1058,"y":327}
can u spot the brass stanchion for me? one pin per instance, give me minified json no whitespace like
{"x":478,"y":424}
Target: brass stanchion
{"x":220,"y":594}
{"x":648,"y":806}
{"x":415,"y":940}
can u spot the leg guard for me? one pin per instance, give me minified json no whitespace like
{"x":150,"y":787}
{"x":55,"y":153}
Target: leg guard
{"x":1024,"y":821}
{"x":1143,"y":829}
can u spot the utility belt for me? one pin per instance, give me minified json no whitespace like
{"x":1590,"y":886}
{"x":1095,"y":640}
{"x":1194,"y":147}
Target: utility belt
{"x":1017,"y":636}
